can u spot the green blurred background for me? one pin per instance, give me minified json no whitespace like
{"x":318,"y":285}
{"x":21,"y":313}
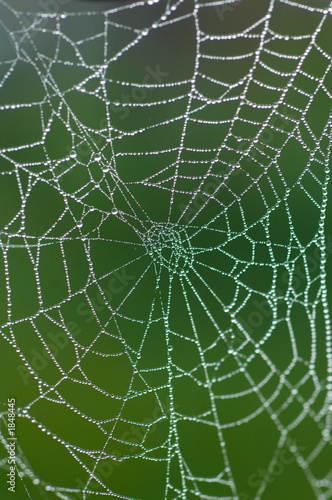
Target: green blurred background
{"x":115,"y":242}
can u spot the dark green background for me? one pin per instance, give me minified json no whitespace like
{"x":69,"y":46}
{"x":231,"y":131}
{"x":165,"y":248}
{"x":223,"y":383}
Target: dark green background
{"x":249,"y":446}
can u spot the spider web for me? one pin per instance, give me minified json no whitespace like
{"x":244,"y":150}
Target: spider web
{"x":164,"y":249}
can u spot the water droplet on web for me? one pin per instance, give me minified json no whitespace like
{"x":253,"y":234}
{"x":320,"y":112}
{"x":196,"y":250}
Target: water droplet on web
{"x":97,"y":157}
{"x":63,"y":16}
{"x":73,"y":154}
{"x":80,"y":224}
{"x":114,"y":211}
{"x":144,"y":32}
{"x":36,"y":480}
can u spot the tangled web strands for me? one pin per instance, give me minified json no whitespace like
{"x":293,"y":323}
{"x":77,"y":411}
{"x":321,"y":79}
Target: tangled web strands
{"x":164,"y":176}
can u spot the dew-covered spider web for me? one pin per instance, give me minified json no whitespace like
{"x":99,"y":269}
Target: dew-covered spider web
{"x":165,"y":327}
